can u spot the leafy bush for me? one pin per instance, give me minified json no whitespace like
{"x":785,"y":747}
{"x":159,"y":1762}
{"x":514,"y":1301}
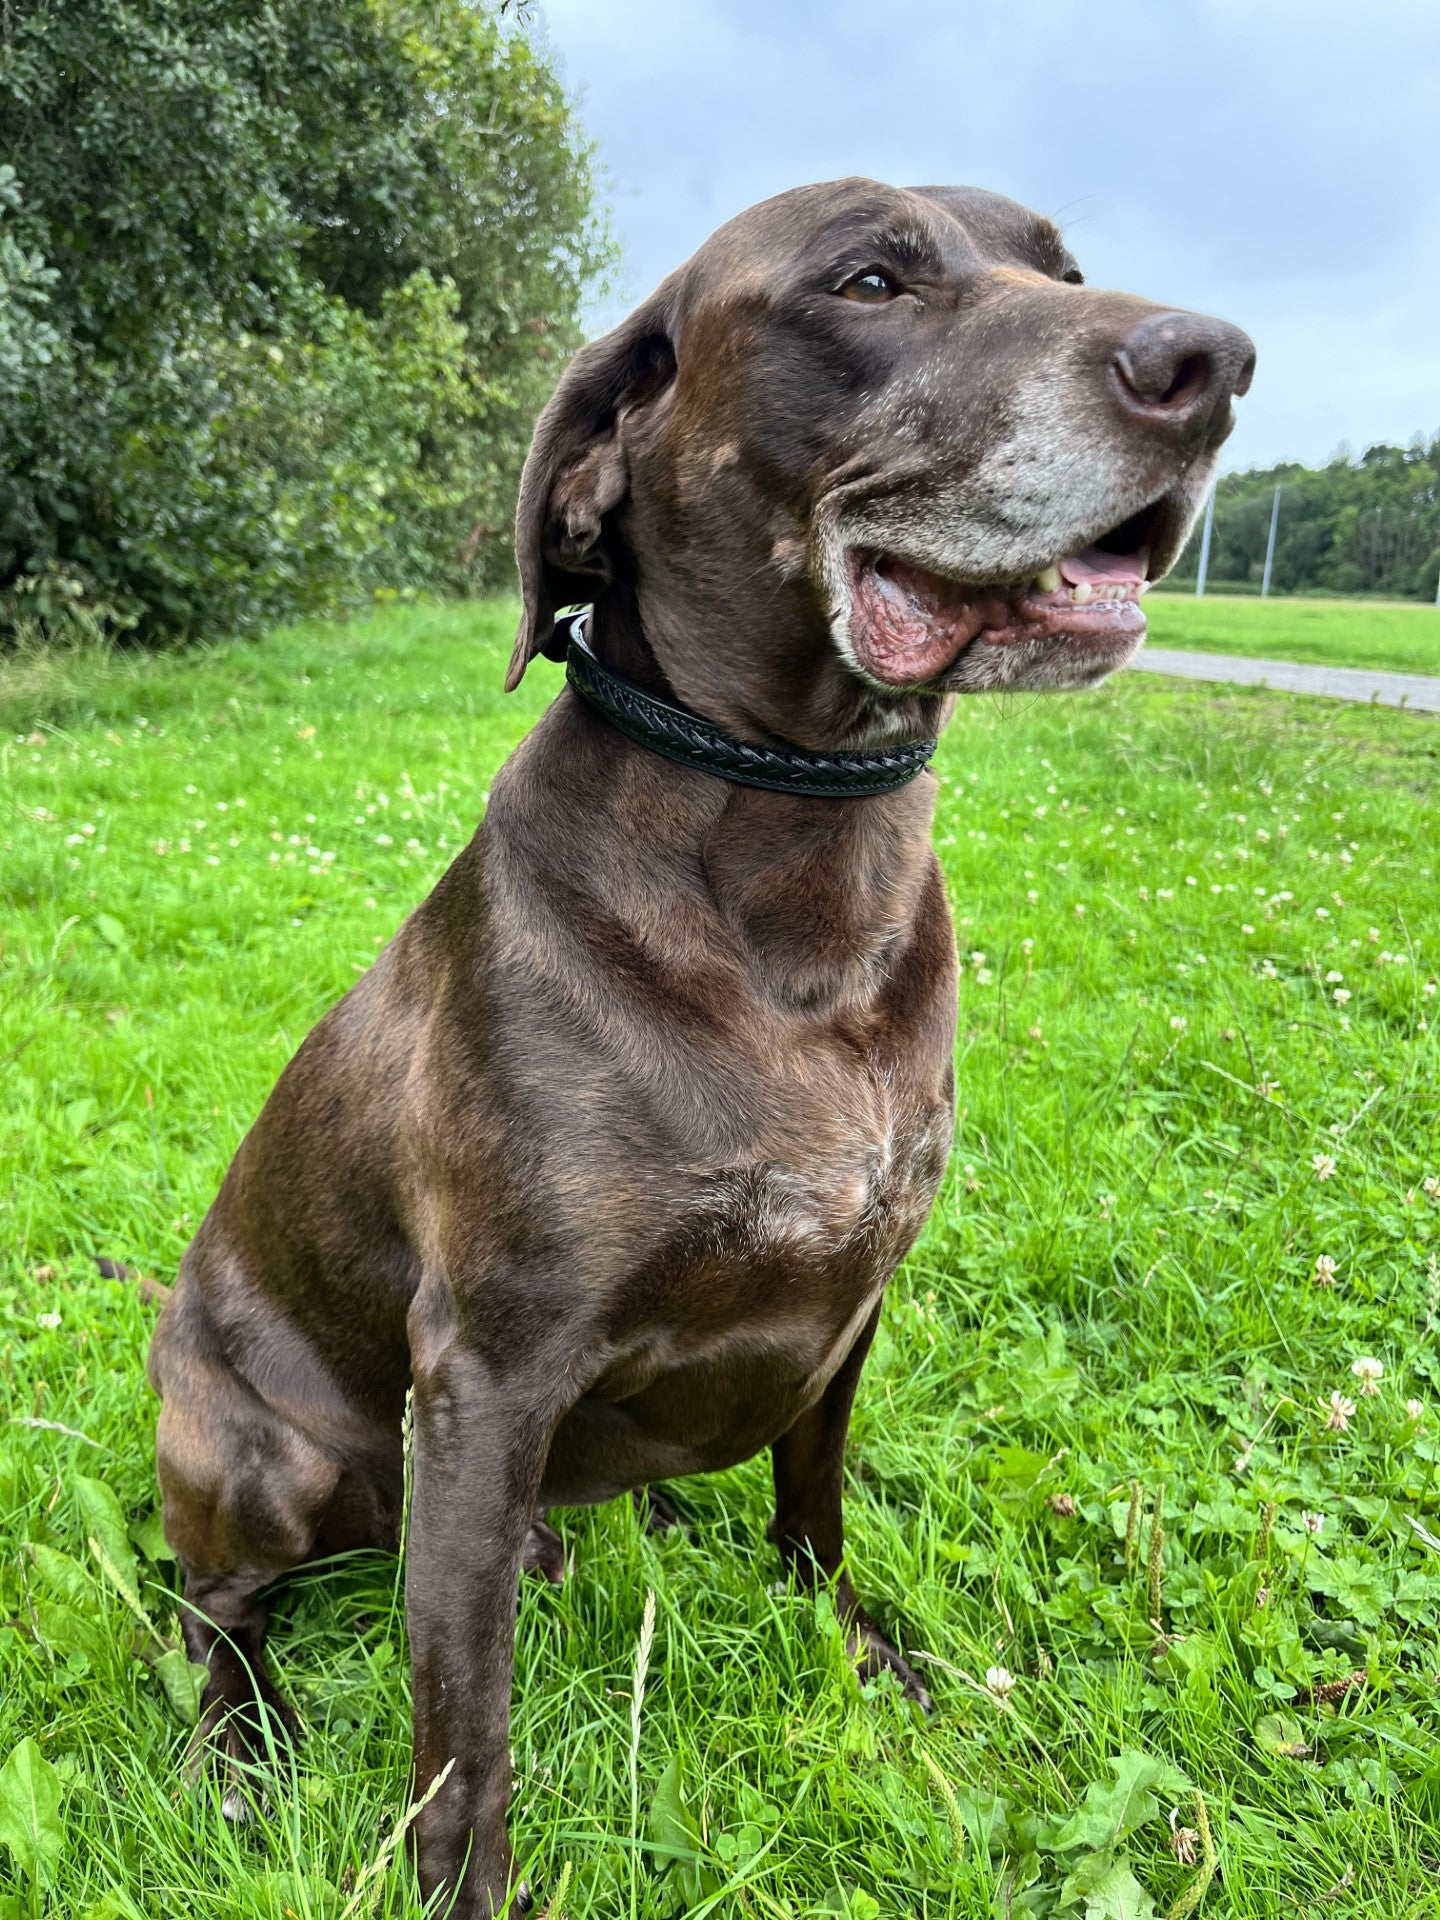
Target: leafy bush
{"x":281,"y":289}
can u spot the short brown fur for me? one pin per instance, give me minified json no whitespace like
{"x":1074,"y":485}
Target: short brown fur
{"x":612,"y":1152}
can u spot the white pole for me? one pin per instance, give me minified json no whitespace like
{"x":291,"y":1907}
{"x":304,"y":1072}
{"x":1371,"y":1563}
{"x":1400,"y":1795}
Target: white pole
{"x":1270,"y":547}
{"x":1204,"y":567}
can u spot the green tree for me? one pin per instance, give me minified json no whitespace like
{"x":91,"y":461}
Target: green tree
{"x":1366,"y":525}
{"x":282,"y":286}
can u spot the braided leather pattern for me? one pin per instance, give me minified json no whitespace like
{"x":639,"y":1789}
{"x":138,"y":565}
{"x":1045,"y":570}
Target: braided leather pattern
{"x":685,"y":737}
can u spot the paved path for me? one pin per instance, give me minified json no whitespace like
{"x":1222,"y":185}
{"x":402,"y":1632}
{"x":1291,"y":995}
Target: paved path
{"x":1419,"y":691}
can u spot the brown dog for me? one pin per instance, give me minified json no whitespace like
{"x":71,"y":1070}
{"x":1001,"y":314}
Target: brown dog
{"x":613,"y":1151}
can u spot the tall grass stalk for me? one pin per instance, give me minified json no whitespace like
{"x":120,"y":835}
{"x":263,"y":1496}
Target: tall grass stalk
{"x":637,"y":1707}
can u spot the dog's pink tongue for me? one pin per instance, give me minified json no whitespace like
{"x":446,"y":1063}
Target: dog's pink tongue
{"x":1093,"y":567}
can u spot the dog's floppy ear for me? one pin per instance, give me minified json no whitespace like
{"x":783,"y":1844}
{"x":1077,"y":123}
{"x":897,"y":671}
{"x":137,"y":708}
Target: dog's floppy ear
{"x":577,"y":472}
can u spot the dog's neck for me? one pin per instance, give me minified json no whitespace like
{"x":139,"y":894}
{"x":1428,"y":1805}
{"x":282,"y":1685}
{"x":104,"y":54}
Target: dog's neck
{"x":824,"y":893}
{"x":820,"y":892}
{"x":615,"y":634}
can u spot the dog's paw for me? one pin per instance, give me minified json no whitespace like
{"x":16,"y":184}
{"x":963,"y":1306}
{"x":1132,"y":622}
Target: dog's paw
{"x":874,"y":1655}
{"x":657,"y":1510}
{"x":242,"y":1738}
{"x":544,"y":1552}
{"x":239,"y":1807}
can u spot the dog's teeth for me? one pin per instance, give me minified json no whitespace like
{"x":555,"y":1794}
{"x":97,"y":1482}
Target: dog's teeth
{"x":1081,"y":593}
{"x":1048,"y":580}
{"x":1144,"y":558}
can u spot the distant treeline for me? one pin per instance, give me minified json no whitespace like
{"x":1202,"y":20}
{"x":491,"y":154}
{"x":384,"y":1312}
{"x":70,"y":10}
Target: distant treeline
{"x":1359,"y":525}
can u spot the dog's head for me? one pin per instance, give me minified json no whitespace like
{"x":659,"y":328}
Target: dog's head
{"x":870,"y":447}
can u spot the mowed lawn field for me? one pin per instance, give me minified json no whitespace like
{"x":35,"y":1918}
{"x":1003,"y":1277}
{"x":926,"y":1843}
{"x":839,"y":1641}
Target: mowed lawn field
{"x":1394,"y":635}
{"x":1143,"y":1465}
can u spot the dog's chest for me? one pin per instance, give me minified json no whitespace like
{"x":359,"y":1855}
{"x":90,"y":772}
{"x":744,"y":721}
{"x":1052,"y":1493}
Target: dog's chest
{"x":847,"y":1201}
{"x":748,"y":1311}
{"x":778,"y":1263}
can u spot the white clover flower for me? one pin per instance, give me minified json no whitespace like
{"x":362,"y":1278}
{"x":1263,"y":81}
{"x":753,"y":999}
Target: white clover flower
{"x":1342,"y":995}
{"x":50,"y":1320}
{"x":1324,"y":1274}
{"x":1332,"y":976}
{"x":1322,"y":1165}
{"x":1179,"y":1022}
{"x":1369,"y":1373}
{"x":1415,"y":1410}
{"x":1313,"y":1523}
{"x":1000,"y":1683}
{"x":1338,"y":1412}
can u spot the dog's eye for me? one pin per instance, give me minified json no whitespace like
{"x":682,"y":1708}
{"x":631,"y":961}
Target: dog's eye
{"x":871,"y":288}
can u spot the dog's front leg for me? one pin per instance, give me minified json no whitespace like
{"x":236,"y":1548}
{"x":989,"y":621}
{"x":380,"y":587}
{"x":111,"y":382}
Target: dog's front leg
{"x":482,"y":1436}
{"x":809,"y":1463}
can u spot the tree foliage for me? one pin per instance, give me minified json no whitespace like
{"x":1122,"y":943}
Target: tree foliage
{"x":1366,"y":525}
{"x":282,"y":285}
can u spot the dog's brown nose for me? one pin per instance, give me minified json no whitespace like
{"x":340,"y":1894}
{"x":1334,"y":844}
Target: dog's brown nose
{"x":1180,"y":370}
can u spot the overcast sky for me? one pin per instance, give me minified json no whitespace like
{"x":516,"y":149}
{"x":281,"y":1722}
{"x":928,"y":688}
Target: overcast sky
{"x":1274,"y":161}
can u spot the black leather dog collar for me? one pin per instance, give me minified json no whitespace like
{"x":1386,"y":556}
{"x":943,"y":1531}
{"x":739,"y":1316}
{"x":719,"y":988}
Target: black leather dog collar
{"x":694,"y":742}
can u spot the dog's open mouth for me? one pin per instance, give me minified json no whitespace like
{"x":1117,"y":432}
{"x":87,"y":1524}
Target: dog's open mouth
{"x":908,"y":626}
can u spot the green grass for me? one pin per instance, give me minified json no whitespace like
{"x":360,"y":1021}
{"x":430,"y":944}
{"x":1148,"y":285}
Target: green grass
{"x":1163,"y":896}
{"x":1397,"y":636}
